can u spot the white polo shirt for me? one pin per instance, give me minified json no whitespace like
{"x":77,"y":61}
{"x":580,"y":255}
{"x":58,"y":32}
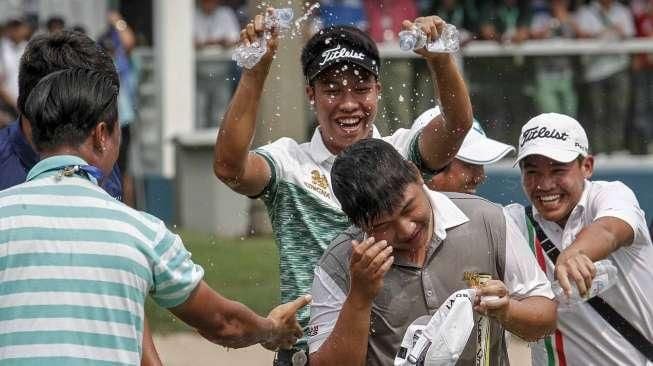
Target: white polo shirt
{"x":584,"y":338}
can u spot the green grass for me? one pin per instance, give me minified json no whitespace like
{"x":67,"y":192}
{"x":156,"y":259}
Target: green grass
{"x":245,"y":269}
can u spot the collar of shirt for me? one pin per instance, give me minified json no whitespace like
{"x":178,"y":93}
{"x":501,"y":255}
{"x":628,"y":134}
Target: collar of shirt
{"x":320,"y":152}
{"x":55,"y":163}
{"x":26,"y":154}
{"x":446,"y":214}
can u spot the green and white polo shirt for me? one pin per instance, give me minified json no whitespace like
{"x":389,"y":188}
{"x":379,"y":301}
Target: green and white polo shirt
{"x":75,"y":268}
{"x":305,"y":213}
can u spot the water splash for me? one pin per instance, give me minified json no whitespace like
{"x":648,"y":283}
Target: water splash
{"x":304,"y":17}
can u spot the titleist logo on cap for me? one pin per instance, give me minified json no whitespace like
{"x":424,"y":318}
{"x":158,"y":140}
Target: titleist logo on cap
{"x":340,"y":52}
{"x":542,"y":132}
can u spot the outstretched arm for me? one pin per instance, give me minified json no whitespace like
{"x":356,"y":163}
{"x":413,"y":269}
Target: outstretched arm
{"x":232,"y":324}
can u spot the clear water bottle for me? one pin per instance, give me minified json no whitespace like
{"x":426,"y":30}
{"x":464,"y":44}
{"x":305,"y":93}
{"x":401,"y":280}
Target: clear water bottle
{"x":248,"y":57}
{"x":414,"y":39}
{"x":606,"y":276}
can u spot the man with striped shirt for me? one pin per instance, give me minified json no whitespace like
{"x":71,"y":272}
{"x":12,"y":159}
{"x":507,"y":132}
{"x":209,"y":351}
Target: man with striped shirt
{"x":76,"y":265}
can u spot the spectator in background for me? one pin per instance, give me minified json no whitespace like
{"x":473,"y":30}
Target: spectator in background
{"x":505,"y":21}
{"x":55,"y":24}
{"x":384,"y":19}
{"x":606,"y":77}
{"x":498,"y":83}
{"x":641,"y":113}
{"x":15,"y":35}
{"x":554,"y":75}
{"x":119,"y":40}
{"x":215,"y":25}
{"x":343,"y":12}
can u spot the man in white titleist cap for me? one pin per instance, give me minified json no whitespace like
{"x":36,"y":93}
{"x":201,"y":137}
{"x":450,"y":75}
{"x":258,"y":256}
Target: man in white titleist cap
{"x":572,"y":223}
{"x":466,"y":171}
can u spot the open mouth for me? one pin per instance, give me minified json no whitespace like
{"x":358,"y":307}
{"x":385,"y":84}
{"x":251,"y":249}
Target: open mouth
{"x":549,"y":200}
{"x":350,"y":124}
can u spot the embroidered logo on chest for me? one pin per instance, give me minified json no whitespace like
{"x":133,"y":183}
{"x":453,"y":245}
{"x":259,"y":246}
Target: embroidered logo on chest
{"x":319,"y":184}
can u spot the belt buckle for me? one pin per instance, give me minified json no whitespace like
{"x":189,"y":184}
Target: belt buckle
{"x":299,"y":358}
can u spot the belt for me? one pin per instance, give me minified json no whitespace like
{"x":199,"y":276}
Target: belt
{"x":297,"y":356}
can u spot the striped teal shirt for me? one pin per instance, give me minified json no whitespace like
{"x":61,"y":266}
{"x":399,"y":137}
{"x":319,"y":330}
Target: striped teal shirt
{"x":75,"y":268}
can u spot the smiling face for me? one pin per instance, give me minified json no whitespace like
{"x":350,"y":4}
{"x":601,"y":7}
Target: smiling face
{"x":345,"y":99}
{"x":409,"y":227}
{"x":555,"y":188}
{"x":459,"y":176}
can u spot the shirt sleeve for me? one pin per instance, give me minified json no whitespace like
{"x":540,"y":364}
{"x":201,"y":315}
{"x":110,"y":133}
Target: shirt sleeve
{"x":278,"y":155}
{"x":406,"y":141}
{"x":175,"y":275}
{"x":523,"y":277}
{"x":615,"y":199}
{"x":328,"y":299}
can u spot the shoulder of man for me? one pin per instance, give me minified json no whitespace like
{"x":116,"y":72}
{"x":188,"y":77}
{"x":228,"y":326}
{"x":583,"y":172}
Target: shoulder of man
{"x":474,"y":205}
{"x":339,"y":250}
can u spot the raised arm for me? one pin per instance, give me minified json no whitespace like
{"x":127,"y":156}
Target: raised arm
{"x":441,"y":138}
{"x":347,"y":343}
{"x":232,"y":324}
{"x":244,"y":171}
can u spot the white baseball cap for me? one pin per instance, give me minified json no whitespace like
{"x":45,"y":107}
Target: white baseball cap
{"x":439,"y":340}
{"x":554,"y":135}
{"x":476,"y":148}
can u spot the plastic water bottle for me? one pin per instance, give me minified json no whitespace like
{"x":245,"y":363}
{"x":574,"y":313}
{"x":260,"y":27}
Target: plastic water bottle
{"x":606,"y":276}
{"x":248,"y":57}
{"x":414,"y":39}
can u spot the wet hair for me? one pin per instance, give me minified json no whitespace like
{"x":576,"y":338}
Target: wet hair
{"x":345,"y":34}
{"x":369,"y":179}
{"x":47,"y":53}
{"x":65,"y":106}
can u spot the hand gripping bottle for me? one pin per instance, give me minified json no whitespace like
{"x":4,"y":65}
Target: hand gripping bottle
{"x":606,"y":276}
{"x":415,"y":38}
{"x":248,"y":57}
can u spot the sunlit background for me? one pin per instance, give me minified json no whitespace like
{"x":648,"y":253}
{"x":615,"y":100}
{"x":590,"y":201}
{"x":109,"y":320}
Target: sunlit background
{"x":518,"y":58}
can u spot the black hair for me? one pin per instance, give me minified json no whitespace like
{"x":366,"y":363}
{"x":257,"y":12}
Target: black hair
{"x":65,"y":106}
{"x":342,"y":33}
{"x":369,"y":179}
{"x":48,"y":53}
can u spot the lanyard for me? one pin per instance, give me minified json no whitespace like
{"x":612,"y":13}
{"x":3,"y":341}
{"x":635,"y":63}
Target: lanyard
{"x":93,"y":173}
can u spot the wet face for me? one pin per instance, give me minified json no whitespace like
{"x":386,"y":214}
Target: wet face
{"x":409,"y":227}
{"x":555,"y":188}
{"x":459,"y":176}
{"x":345,"y":100}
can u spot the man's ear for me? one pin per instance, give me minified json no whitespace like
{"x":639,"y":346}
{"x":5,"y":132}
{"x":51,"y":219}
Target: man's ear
{"x":101,"y":136}
{"x":587,"y":166}
{"x":310,"y":94}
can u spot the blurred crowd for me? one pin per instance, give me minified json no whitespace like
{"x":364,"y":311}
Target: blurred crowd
{"x":610,"y":89}
{"x":117,"y":39}
{"x":600,"y":90}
